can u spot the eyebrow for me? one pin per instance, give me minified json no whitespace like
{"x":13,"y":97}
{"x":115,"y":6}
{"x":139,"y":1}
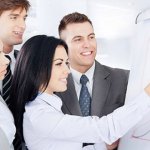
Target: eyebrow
{"x":92,"y":34}
{"x":79,"y":36}
{"x":60,"y":59}
{"x":76,"y":37}
{"x":16,"y":15}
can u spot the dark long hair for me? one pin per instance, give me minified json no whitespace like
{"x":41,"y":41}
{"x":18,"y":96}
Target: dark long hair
{"x":32,"y":71}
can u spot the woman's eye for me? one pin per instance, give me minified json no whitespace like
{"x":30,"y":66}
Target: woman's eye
{"x":58,"y":64}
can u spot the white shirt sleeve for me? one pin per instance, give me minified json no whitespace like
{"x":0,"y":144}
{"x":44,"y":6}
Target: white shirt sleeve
{"x":7,"y":122}
{"x":48,"y":122}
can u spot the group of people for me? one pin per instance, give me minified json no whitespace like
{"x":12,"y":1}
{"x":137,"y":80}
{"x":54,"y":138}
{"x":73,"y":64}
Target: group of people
{"x":50,"y":107}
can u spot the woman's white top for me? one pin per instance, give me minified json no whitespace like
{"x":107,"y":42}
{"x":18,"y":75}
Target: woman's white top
{"x":47,"y":128}
{"x":7,"y":122}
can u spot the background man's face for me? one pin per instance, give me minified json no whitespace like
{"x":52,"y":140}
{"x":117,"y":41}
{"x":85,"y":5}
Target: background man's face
{"x":12,"y":26}
{"x":82,"y":45}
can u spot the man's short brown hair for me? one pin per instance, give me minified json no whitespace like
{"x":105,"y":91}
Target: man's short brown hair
{"x":13,"y":4}
{"x":72,"y":18}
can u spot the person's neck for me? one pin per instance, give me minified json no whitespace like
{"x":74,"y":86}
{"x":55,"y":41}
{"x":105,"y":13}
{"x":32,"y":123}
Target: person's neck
{"x":81,"y":69}
{"x":7,"y":49}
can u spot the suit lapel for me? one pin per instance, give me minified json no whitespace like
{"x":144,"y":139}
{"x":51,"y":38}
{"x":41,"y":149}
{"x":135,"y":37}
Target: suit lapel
{"x":70,"y":99}
{"x":16,"y":53}
{"x":101,"y":84}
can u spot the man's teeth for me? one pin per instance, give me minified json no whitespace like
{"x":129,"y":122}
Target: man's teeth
{"x":64,"y":79}
{"x":86,"y":53}
{"x":18,"y":33}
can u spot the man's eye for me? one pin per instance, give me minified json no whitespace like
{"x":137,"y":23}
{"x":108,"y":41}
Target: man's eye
{"x":25,"y":18}
{"x":77,"y":40}
{"x":92,"y":37}
{"x":13,"y":17}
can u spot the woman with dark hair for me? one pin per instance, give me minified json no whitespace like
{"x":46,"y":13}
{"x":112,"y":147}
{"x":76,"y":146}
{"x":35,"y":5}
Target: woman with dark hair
{"x":41,"y":70}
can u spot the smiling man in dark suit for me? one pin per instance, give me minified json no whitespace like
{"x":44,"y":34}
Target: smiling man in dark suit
{"x":106,"y":86}
{"x":13,"y":14}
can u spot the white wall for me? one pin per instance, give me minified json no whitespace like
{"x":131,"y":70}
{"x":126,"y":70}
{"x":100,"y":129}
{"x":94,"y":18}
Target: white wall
{"x":113,"y":25}
{"x":50,"y":12}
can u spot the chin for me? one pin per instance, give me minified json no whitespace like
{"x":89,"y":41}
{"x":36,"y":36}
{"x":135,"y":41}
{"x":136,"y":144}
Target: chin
{"x":88,"y":62}
{"x":18,"y":42}
{"x":63,"y":89}
{"x":2,"y":77}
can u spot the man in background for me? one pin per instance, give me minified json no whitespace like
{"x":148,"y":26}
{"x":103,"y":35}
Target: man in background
{"x":13,"y":14}
{"x":104,"y":87}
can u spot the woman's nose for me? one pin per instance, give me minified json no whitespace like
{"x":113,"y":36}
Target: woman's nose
{"x":66,"y":69}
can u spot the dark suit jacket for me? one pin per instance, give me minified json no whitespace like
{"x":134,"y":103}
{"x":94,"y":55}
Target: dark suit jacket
{"x":16,"y":53}
{"x":109,"y":90}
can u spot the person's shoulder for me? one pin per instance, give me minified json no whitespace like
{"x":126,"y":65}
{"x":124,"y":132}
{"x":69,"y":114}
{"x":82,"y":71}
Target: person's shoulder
{"x":2,"y":101}
{"x":118,"y":70}
{"x":113,"y":71}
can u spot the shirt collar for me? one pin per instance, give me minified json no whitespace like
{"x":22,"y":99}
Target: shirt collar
{"x":77,"y":75}
{"x":11,"y":54}
{"x":52,"y":100}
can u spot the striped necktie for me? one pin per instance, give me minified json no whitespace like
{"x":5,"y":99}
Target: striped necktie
{"x":6,"y":83}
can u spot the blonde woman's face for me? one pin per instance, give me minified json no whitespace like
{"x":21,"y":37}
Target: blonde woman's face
{"x":3,"y":62}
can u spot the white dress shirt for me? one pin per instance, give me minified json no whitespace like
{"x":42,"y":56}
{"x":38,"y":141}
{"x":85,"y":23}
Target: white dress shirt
{"x":76,"y":78}
{"x":45,"y":126}
{"x":7,"y":122}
